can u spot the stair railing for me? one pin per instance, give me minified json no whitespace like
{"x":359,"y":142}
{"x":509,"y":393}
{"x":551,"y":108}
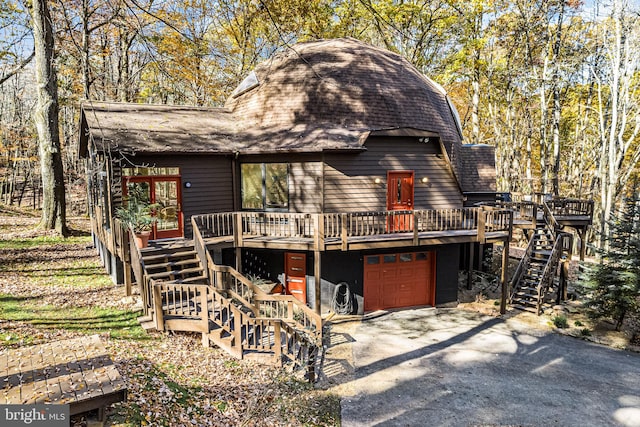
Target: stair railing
{"x":263,"y":334}
{"x":550,"y":219}
{"x":181,"y":307}
{"x":262,"y":304}
{"x":137,"y":265}
{"x":200,"y":247}
{"x":549,"y":271}
{"x":524,"y":261}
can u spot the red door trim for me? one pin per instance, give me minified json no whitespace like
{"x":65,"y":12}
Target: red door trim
{"x":151,"y":180}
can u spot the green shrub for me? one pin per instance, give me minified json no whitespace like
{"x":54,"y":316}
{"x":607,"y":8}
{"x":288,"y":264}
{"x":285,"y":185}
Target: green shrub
{"x":577,"y":323}
{"x":560,"y":322}
{"x":585,"y":332}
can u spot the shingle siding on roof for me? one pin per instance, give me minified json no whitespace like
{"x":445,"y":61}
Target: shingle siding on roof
{"x":478,"y":168}
{"x":346,"y":82}
{"x":349,"y":180}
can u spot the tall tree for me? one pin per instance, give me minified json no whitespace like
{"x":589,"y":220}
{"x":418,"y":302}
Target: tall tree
{"x":46,"y":121}
{"x":613,"y":285}
{"x":615,"y":70}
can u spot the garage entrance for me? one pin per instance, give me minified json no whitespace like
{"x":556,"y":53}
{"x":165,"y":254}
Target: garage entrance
{"x":399,"y":280}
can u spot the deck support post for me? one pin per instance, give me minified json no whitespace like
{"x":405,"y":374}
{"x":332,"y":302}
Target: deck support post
{"x":564,"y":273}
{"x":470,"y":265}
{"x":503,"y":278}
{"x":583,"y":244}
{"x":239,"y":260}
{"x":126,"y":266}
{"x":318,"y":279}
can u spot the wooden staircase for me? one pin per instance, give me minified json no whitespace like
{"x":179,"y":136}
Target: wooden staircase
{"x":180,"y":292}
{"x":536,"y":280}
{"x":177,"y":264}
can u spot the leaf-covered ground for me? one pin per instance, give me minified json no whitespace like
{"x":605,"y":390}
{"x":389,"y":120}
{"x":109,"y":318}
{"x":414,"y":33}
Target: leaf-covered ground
{"x":52,"y":288}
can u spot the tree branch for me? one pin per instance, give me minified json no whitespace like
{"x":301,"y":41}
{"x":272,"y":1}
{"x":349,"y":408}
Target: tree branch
{"x":17,"y":68}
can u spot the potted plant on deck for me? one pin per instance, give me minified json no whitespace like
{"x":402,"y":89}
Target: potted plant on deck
{"x":137,"y":215}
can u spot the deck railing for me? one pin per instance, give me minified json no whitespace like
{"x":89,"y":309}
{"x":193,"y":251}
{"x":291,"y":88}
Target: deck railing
{"x":571,"y":207}
{"x":215,"y":225}
{"x":342,"y":226}
{"x":185,"y":305}
{"x":523,"y":210}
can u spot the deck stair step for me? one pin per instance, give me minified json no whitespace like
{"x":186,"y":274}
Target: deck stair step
{"x":193,"y":280}
{"x":230,"y":323}
{"x":176,"y":274}
{"x":147,"y":322}
{"x":172,"y":264}
{"x":164,"y":256}
{"x":528,"y":290}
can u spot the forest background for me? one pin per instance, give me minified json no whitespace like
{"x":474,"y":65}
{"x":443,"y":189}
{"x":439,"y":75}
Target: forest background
{"x":554,"y":85}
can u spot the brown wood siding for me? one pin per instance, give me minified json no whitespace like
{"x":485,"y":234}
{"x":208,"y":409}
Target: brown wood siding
{"x":305,"y":187}
{"x":211,"y":183}
{"x":349,"y":179}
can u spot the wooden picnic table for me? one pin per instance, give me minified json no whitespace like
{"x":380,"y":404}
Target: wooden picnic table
{"x":77,"y":372}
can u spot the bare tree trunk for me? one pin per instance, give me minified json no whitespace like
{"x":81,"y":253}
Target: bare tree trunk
{"x":620,"y":125}
{"x":475,"y":105}
{"x":46,"y":121}
{"x":86,"y":71}
{"x":556,"y":102}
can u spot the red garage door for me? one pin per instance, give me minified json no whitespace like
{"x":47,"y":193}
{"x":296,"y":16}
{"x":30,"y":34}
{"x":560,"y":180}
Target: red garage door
{"x":399,"y":280}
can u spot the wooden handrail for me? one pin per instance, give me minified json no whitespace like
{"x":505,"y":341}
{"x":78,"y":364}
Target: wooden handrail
{"x":200,"y":247}
{"x":252,"y":296}
{"x":524,"y":261}
{"x":342,"y":226}
{"x":137,"y":265}
{"x":550,"y":218}
{"x":549,"y":270}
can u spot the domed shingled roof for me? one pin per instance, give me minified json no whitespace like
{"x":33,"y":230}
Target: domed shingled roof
{"x":344,"y":83}
{"x":319,"y":96}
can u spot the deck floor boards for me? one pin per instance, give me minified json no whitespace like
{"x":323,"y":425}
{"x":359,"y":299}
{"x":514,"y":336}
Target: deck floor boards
{"x":77,"y":372}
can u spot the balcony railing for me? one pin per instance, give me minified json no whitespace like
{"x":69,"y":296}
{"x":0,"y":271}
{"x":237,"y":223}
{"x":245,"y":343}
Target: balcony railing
{"x":332,"y":227}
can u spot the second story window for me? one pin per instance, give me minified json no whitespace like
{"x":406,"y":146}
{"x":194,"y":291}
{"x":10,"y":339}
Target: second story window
{"x":265,"y":186}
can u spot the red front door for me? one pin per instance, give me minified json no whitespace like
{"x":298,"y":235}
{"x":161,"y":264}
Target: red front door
{"x":165,"y":192}
{"x":295,"y":265}
{"x":400,"y":198}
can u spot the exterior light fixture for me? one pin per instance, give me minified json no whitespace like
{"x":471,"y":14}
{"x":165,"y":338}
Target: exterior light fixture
{"x":425,"y":180}
{"x":187,"y":184}
{"x":377,"y":180}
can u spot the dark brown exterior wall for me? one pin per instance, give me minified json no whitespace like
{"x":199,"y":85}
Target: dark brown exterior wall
{"x":305,"y":187}
{"x":349,"y":178}
{"x":211,"y":183}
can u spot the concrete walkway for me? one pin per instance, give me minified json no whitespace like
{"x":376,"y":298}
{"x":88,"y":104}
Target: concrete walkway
{"x":429,"y":367}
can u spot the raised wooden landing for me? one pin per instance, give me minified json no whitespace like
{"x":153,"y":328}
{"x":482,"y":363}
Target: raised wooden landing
{"x":77,"y":372}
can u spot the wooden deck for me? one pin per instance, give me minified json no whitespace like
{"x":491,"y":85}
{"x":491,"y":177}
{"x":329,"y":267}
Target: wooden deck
{"x":363,"y":242}
{"x":354,"y":231}
{"x":77,"y":372}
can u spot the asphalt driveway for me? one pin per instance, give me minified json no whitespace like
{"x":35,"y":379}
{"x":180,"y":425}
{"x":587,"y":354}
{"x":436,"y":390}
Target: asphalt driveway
{"x":429,"y":367}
